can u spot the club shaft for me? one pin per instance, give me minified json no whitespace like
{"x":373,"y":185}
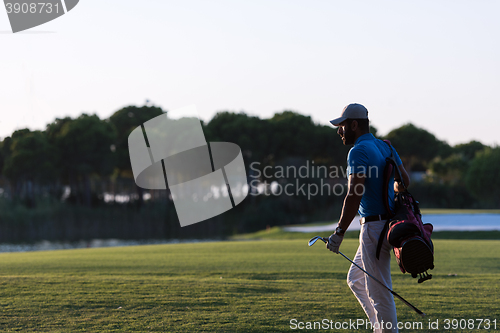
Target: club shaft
{"x":390,"y":290}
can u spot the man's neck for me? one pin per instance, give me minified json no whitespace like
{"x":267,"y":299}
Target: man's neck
{"x":359,"y":134}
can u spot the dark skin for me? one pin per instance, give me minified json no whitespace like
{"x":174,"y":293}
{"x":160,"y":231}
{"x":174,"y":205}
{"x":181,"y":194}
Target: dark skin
{"x":349,"y":134}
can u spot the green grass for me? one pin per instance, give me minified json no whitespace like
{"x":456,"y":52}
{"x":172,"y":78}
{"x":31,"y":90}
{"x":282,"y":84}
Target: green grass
{"x":277,"y":233}
{"x":459,"y":211}
{"x":248,"y":286}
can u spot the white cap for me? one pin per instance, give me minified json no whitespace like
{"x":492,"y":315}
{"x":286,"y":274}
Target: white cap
{"x":352,"y":111}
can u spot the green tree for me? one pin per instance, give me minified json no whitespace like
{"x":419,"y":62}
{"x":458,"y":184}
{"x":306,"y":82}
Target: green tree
{"x":483,"y":176}
{"x":30,"y":161}
{"x":4,"y":152}
{"x":125,"y":121}
{"x":452,"y":168}
{"x":248,"y":132}
{"x":416,"y":146}
{"x":85,"y":149}
{"x":286,"y":134}
{"x":292,"y":134}
{"x":469,"y":150}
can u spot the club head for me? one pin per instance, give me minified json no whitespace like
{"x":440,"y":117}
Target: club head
{"x":314,"y":239}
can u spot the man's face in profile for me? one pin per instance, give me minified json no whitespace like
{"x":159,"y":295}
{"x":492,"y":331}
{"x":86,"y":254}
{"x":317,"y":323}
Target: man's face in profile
{"x":346,"y":133}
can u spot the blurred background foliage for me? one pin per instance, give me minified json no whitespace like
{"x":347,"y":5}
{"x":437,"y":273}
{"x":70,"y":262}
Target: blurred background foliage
{"x":74,"y":180}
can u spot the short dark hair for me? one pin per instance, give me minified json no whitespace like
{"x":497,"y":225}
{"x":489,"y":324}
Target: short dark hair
{"x":364,"y":124}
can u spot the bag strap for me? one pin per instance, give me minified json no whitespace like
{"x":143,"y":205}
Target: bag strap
{"x":390,"y":166}
{"x":386,"y":183}
{"x":381,"y":239}
{"x":393,"y":162}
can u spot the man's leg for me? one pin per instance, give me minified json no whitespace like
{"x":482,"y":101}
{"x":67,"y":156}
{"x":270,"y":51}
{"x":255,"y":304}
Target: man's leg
{"x":357,"y":283}
{"x":376,"y":301}
{"x":380,"y":298}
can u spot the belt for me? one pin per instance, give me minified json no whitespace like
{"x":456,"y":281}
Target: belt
{"x":374,"y":218}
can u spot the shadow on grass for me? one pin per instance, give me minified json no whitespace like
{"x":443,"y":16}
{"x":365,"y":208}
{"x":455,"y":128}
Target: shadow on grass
{"x":293,"y":277}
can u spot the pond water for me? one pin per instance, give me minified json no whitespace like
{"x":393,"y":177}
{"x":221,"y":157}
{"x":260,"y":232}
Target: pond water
{"x":441,"y":222}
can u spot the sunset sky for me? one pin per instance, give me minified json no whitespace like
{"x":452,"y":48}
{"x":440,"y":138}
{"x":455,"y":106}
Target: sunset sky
{"x":433,"y":63}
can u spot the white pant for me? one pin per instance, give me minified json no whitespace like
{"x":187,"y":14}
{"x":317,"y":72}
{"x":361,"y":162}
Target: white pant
{"x":377,"y":302}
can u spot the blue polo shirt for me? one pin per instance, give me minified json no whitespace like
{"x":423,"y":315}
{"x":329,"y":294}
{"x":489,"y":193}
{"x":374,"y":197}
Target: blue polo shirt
{"x":368,"y":157}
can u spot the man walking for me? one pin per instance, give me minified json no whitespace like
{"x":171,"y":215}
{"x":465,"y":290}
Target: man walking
{"x":365,"y":166}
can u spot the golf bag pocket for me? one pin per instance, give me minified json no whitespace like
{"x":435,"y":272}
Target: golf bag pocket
{"x":415,"y":256}
{"x":401,"y":230}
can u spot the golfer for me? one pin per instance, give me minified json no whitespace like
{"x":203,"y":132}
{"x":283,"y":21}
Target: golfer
{"x":365,"y":166}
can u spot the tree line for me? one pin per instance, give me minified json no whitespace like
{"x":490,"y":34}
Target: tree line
{"x":78,"y":169}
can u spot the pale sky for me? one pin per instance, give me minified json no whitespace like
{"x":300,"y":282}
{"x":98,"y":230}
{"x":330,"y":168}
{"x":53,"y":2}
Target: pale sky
{"x":433,"y":63}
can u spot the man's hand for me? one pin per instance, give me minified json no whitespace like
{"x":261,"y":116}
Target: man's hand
{"x":398,"y":186}
{"x":334,"y":242}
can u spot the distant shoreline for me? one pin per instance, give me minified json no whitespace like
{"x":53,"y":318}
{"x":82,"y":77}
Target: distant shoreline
{"x":95,"y":243}
{"x":453,"y":222}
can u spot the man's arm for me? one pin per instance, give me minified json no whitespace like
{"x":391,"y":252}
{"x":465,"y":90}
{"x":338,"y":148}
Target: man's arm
{"x":356,"y":189}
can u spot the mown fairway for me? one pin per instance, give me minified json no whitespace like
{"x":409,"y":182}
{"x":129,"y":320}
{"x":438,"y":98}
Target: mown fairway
{"x":249,"y":286}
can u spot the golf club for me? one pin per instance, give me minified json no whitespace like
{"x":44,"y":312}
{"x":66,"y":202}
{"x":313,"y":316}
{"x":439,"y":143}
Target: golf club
{"x":314,"y":239}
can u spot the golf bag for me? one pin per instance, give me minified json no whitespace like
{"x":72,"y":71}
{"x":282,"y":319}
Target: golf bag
{"x":410,"y":238}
